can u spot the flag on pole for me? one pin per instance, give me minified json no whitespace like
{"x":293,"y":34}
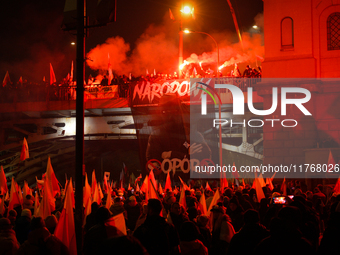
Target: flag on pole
{"x":203,"y":204}
{"x":2,"y":206}
{"x":337,"y":186}
{"x":223,"y":182}
{"x":168,"y":183}
{"x":6,"y":80}
{"x":183,"y":184}
{"x":182,"y":199}
{"x":24,"y":150}
{"x":110,"y":69}
{"x":3,"y":182}
{"x":101,"y":195}
{"x":213,"y":202}
{"x":160,"y":190}
{"x":269,"y":183}
{"x":14,"y":198}
{"x":331,"y":162}
{"x":52,"y":75}
{"x":94,"y":182}
{"x":171,"y":15}
{"x":71,"y":76}
{"x":262,"y":182}
{"x":86,"y":191}
{"x":259,"y":190}
{"x":207,"y":186}
{"x":152,"y":178}
{"x":152,"y":190}
{"x":145,"y":187}
{"x":118,"y":221}
{"x":96,"y":196}
{"x":65,"y":229}
{"x":121,"y":180}
{"x":47,"y":205}
{"x":51,"y":179}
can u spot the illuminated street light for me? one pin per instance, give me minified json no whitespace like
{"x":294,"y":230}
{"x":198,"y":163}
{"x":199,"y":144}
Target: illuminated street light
{"x":187,"y":31}
{"x":73,"y":43}
{"x":186,"y":10}
{"x":255,"y":27}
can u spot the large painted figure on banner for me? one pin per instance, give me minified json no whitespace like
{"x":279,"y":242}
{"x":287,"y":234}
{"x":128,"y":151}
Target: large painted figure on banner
{"x":170,"y":143}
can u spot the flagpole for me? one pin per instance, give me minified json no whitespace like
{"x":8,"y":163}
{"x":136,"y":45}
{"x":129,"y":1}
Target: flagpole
{"x":78,"y":220}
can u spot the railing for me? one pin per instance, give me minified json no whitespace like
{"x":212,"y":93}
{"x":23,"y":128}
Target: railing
{"x":58,"y":93}
{"x":242,"y":83}
{"x":40,"y":93}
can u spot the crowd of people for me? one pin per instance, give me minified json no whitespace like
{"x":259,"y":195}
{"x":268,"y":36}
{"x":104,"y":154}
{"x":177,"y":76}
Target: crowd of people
{"x":25,"y":91}
{"x":303,"y":222}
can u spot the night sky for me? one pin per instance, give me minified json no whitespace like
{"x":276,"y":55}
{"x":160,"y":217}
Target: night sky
{"x":31,"y":36}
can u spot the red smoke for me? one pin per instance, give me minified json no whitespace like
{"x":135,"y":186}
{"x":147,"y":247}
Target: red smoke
{"x":157,"y":48}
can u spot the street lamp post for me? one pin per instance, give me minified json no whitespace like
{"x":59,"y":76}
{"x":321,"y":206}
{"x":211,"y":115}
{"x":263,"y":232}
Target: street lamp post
{"x":186,"y":10}
{"x":187,"y":31}
{"x":217,"y":49}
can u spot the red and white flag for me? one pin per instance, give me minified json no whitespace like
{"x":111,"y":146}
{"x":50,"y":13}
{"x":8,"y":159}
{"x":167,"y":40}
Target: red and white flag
{"x":24,"y":150}
{"x":52,"y":75}
{"x":3,"y":182}
{"x":51,"y":179}
{"x":86,"y":191}
{"x":182,"y":199}
{"x":14,"y":198}
{"x":6,"y":80}
{"x":171,"y":15}
{"x":259,"y":190}
{"x":168,"y":183}
{"x":203,"y":204}
{"x":65,"y":230}
{"x":94,"y":183}
{"x":331,"y":162}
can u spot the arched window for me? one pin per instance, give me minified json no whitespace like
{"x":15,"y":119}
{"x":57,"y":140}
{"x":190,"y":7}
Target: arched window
{"x":333,"y":31}
{"x":287,"y":33}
